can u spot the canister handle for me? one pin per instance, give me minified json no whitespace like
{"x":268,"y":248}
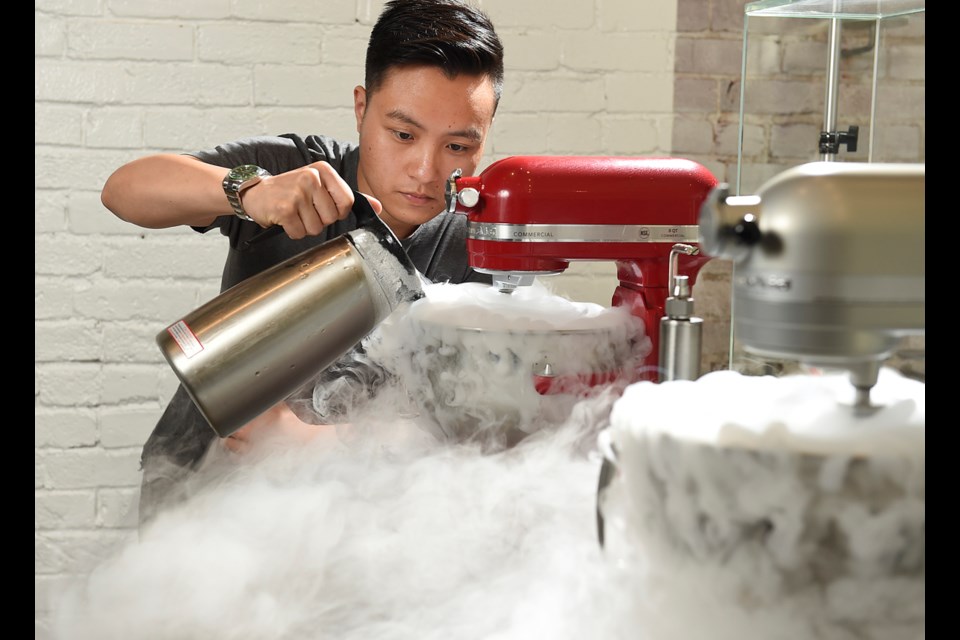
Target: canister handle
{"x":362,"y":209}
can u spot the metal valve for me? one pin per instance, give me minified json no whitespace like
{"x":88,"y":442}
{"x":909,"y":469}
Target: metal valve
{"x":681,"y":334}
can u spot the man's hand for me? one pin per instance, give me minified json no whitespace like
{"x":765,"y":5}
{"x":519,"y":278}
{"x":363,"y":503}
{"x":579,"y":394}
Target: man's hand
{"x":302,"y":201}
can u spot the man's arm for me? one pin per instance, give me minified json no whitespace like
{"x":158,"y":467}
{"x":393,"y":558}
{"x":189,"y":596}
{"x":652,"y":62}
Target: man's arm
{"x":167,"y":190}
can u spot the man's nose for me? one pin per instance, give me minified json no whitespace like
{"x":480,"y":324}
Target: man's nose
{"x":426,"y":164}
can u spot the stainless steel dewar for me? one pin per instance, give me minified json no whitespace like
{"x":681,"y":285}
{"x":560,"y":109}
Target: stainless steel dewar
{"x":828,"y":263}
{"x":259,"y":341}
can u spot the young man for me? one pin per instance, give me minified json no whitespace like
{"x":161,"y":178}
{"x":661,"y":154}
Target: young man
{"x":433,"y":78}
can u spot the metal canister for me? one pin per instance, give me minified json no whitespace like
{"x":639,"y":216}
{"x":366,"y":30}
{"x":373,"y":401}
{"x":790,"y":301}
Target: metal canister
{"x":261,"y":340}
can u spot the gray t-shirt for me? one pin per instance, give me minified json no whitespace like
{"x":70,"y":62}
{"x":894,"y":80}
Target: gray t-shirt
{"x":437,"y":249}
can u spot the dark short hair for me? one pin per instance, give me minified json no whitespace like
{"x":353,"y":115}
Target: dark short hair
{"x":449,"y":34}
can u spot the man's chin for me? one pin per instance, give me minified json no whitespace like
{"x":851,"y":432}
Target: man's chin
{"x":415,"y":216}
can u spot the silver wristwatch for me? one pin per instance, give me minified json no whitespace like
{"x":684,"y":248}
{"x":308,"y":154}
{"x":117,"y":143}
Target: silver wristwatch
{"x":238,"y":179}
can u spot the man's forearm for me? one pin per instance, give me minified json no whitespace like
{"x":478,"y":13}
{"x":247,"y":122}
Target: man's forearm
{"x":166,"y":190}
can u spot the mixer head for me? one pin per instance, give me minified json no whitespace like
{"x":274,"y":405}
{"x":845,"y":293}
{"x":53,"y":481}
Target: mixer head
{"x":828,"y":263}
{"x":533,"y":215}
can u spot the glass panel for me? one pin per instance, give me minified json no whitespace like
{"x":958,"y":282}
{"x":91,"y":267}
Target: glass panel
{"x":879,"y":71}
{"x":880,"y":90}
{"x":846,"y":9}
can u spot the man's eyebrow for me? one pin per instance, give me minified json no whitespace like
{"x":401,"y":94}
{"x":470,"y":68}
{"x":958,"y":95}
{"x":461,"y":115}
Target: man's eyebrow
{"x":470,"y":133}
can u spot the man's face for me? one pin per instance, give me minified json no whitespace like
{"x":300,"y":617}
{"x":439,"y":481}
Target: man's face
{"x":414,"y":131}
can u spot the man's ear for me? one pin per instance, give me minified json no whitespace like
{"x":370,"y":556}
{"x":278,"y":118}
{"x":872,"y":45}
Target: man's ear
{"x":359,"y":104}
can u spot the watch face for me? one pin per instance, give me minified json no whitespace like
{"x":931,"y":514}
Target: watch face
{"x":244,"y":172}
{"x":238,"y":179}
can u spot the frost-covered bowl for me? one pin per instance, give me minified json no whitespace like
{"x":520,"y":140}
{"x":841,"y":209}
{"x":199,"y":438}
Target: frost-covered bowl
{"x":773,"y":494}
{"x":484,"y":365}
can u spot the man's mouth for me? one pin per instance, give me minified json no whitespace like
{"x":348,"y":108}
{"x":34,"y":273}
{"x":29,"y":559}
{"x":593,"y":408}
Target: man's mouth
{"x":417,"y":198}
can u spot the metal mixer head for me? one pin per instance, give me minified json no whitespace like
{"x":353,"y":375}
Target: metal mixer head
{"x":828,"y":263}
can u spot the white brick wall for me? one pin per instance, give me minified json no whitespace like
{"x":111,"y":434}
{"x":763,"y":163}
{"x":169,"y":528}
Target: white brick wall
{"x":120,"y":79}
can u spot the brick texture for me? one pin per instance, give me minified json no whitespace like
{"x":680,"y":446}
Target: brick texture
{"x":117,"y":80}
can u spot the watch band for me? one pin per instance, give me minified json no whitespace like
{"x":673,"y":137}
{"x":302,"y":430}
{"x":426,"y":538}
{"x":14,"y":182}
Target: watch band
{"x":238,"y":179}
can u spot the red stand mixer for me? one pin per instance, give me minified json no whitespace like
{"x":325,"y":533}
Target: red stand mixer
{"x":533,"y":215}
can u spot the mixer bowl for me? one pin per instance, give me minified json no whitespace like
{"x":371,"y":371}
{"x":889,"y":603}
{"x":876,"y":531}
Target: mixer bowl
{"x":475,"y":383}
{"x":492,"y":367}
{"x":819,"y":513}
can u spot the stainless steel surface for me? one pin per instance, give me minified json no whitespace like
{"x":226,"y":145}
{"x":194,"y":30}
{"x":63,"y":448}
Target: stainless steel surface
{"x":829,"y":263}
{"x":833,"y":81}
{"x":259,"y":341}
{"x":508,"y":281}
{"x":681,"y":342}
{"x":578,"y":233}
{"x":681,"y":334}
{"x":469,"y":197}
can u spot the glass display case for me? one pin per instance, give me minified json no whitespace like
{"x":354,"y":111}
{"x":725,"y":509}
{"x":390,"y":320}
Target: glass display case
{"x":829,"y":80}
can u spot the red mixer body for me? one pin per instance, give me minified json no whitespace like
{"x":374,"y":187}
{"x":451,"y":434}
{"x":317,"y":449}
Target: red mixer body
{"x":536,"y":214}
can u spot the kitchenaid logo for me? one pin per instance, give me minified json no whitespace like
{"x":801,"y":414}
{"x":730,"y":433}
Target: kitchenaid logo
{"x":767,"y":282}
{"x":512,"y":232}
{"x":484,"y":231}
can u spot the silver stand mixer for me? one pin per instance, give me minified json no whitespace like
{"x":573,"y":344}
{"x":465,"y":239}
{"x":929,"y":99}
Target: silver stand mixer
{"x":828,"y":270}
{"x":828,"y":264}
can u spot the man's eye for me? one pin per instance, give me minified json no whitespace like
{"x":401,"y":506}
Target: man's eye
{"x":403,"y":135}
{"x":458,"y":147}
